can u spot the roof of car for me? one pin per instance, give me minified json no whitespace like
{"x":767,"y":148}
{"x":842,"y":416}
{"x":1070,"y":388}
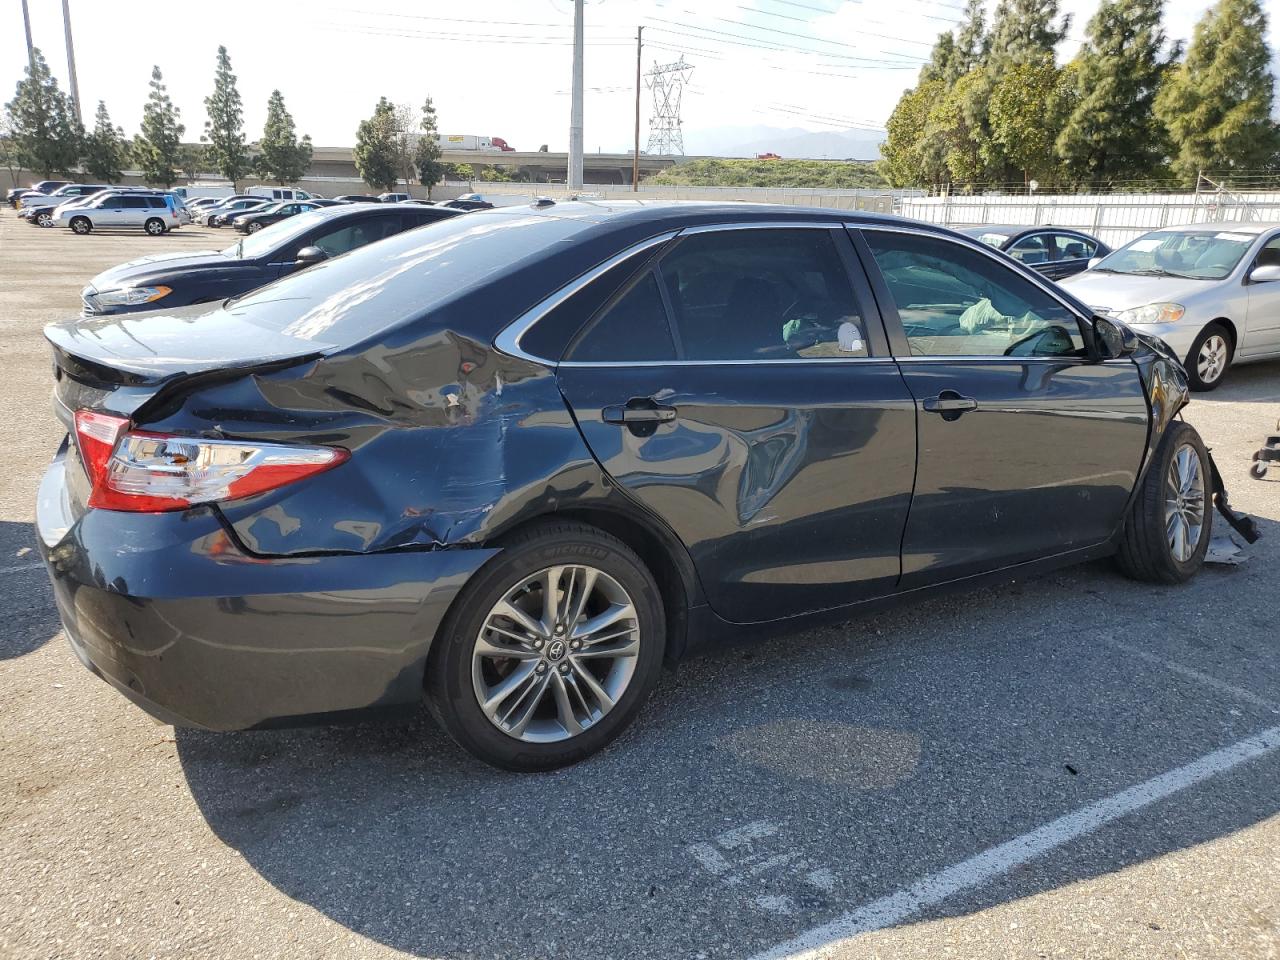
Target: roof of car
{"x":1221,"y":226}
{"x":1012,"y":229}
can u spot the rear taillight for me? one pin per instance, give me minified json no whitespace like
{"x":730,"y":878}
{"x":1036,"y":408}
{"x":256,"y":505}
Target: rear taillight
{"x":147,"y":472}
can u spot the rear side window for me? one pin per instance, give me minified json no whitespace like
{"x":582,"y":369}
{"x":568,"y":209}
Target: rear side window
{"x":763,"y":294}
{"x":955,"y":301}
{"x":1073,"y":248}
{"x":155,"y":202}
{"x":631,"y":329}
{"x":135,"y":203}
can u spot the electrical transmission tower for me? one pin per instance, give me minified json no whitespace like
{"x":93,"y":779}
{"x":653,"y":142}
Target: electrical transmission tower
{"x":666,"y":138}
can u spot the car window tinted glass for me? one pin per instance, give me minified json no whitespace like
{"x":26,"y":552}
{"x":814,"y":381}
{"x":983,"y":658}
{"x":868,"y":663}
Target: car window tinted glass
{"x":355,"y":233}
{"x":278,"y":236}
{"x":1198,"y":254}
{"x":1032,"y":249}
{"x":1067,"y":247}
{"x":770,"y":294}
{"x":958,"y":302}
{"x":633,"y":328}
{"x":135,"y":203}
{"x":155,"y":202}
{"x":1269,"y":255}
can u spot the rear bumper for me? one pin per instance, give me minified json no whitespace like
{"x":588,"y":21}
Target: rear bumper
{"x":169,"y":610}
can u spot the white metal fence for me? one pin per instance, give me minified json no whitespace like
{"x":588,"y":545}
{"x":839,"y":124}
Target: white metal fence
{"x":1113,"y":218}
{"x":880,"y":201}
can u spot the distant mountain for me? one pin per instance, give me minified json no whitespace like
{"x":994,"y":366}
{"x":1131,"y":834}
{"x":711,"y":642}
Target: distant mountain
{"x":793,"y":142}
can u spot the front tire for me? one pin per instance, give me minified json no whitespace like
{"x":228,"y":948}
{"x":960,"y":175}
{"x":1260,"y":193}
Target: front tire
{"x":44,"y":220}
{"x":154,"y":227}
{"x":550,"y":651}
{"x":1170,"y":522}
{"x":1209,"y":358}
{"x":81,"y":225}
{"x":254,"y":227}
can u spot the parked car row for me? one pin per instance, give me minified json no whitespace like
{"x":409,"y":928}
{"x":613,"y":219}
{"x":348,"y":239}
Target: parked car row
{"x":512,"y":461}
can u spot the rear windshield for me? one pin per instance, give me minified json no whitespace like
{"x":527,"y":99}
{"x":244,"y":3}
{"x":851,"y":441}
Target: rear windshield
{"x":342,"y":301}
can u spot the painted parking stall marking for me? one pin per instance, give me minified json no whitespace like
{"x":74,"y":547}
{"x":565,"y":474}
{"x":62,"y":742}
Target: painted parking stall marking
{"x":734,"y":857}
{"x":1001,"y":859}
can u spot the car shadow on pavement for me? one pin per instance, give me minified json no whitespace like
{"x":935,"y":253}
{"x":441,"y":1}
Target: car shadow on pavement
{"x":768,"y":789}
{"x":30,"y":616}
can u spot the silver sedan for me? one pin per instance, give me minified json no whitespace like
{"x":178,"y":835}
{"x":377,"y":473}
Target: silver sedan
{"x":1211,"y":291}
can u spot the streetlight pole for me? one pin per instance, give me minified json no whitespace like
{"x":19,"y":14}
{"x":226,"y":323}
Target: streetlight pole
{"x":71,"y":59}
{"x":575,"y":117}
{"x":31,"y":50}
{"x":635,"y":157}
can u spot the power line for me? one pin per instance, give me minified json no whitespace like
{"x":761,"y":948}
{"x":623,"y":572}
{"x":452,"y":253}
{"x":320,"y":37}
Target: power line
{"x":805,"y":36}
{"x":759,"y":43}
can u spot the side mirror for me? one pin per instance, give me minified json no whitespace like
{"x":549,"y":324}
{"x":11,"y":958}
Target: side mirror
{"x":309,"y":255}
{"x":1114,"y":339}
{"x":1093,"y":262}
{"x":1265,"y":274}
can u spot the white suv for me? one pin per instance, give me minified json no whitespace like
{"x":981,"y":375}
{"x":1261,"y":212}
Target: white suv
{"x":151,"y":212}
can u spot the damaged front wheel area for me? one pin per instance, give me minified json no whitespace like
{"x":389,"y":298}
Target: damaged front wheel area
{"x":550,"y":651}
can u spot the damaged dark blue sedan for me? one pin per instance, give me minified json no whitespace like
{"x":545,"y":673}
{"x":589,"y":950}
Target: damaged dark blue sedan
{"x":513,"y":462}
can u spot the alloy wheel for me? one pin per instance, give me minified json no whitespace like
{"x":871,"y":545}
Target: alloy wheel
{"x":1211,"y":362}
{"x":556,"y":653}
{"x":1184,"y":503}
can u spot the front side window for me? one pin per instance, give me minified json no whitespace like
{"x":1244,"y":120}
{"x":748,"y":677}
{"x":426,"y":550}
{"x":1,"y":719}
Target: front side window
{"x":350,"y":235}
{"x":955,"y":301}
{"x":763,"y":294}
{"x":1069,"y":247}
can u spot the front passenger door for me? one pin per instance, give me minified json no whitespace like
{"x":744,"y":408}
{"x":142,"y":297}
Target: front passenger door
{"x":1028,"y":446}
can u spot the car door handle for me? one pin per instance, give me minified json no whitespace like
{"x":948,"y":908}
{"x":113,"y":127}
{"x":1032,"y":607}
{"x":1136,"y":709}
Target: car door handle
{"x":639,"y":410}
{"x":949,"y":402}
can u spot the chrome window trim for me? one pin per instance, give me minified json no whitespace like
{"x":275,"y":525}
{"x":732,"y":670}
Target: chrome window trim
{"x":790,"y":362}
{"x":508,"y":339}
{"x":765,"y":225}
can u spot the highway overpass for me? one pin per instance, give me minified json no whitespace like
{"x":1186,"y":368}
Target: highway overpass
{"x":533,"y":166}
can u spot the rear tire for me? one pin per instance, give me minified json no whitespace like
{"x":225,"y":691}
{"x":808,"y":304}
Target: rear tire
{"x":81,"y":225}
{"x":563,"y":703}
{"x":1209,"y":358}
{"x":154,"y":227}
{"x":1170,"y":522}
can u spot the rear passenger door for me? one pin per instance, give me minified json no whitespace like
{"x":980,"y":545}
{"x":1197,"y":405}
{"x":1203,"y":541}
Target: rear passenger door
{"x":739,"y":387}
{"x":1028,"y":445}
{"x":135,"y":211}
{"x":1072,"y":254}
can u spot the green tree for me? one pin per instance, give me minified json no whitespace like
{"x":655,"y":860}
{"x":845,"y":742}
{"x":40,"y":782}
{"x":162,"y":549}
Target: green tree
{"x":943,"y":60}
{"x":157,"y":148}
{"x":47,"y":137}
{"x":1113,"y":131}
{"x":224,"y":130}
{"x":431,"y":169}
{"x":376,"y":153}
{"x":193,"y":160}
{"x":282,"y":157}
{"x":1217,"y":103}
{"x":901,"y":163}
{"x":1023,"y":31}
{"x":105,"y":149}
{"x":956,"y":134}
{"x":972,"y":41}
{"x":1023,"y":109}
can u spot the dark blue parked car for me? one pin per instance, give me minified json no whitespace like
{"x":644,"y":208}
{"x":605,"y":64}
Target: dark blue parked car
{"x":512,"y":462}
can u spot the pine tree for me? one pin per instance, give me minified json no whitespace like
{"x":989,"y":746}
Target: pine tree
{"x":1023,"y":108}
{"x":943,"y":61}
{"x":431,"y":168}
{"x":47,"y":137}
{"x":972,"y":41}
{"x":1217,"y":103}
{"x":105,"y":148}
{"x":157,"y":148}
{"x":1023,"y":31}
{"x":282,"y":157}
{"x":1113,"y":132}
{"x":224,"y":130}
{"x":375,"y":152}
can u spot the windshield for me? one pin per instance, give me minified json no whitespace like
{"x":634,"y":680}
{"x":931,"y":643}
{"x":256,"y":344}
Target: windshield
{"x":1192,"y":254}
{"x":351,"y":297}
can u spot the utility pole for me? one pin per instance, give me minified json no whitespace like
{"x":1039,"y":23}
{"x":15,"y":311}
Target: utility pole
{"x":575,"y":116}
{"x":31,"y":50}
{"x":71,"y":59}
{"x":635,"y":157}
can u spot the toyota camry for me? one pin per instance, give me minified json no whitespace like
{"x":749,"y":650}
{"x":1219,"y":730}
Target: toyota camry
{"x":513,"y":462}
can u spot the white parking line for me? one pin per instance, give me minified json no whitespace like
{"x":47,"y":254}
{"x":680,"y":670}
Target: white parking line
{"x":999,"y":860}
{"x":1240,"y":693}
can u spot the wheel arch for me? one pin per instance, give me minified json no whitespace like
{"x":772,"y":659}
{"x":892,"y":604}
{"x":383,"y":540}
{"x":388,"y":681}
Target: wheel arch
{"x":1231,"y":329}
{"x":661,"y":551}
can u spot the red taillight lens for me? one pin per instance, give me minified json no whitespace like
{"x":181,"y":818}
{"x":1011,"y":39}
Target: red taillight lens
{"x":147,"y":472}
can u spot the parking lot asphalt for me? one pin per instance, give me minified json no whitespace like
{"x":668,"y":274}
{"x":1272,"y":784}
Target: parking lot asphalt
{"x":1074,"y":765}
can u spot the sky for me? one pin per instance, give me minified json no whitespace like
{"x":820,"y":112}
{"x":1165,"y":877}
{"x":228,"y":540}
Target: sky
{"x":503,"y":67}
